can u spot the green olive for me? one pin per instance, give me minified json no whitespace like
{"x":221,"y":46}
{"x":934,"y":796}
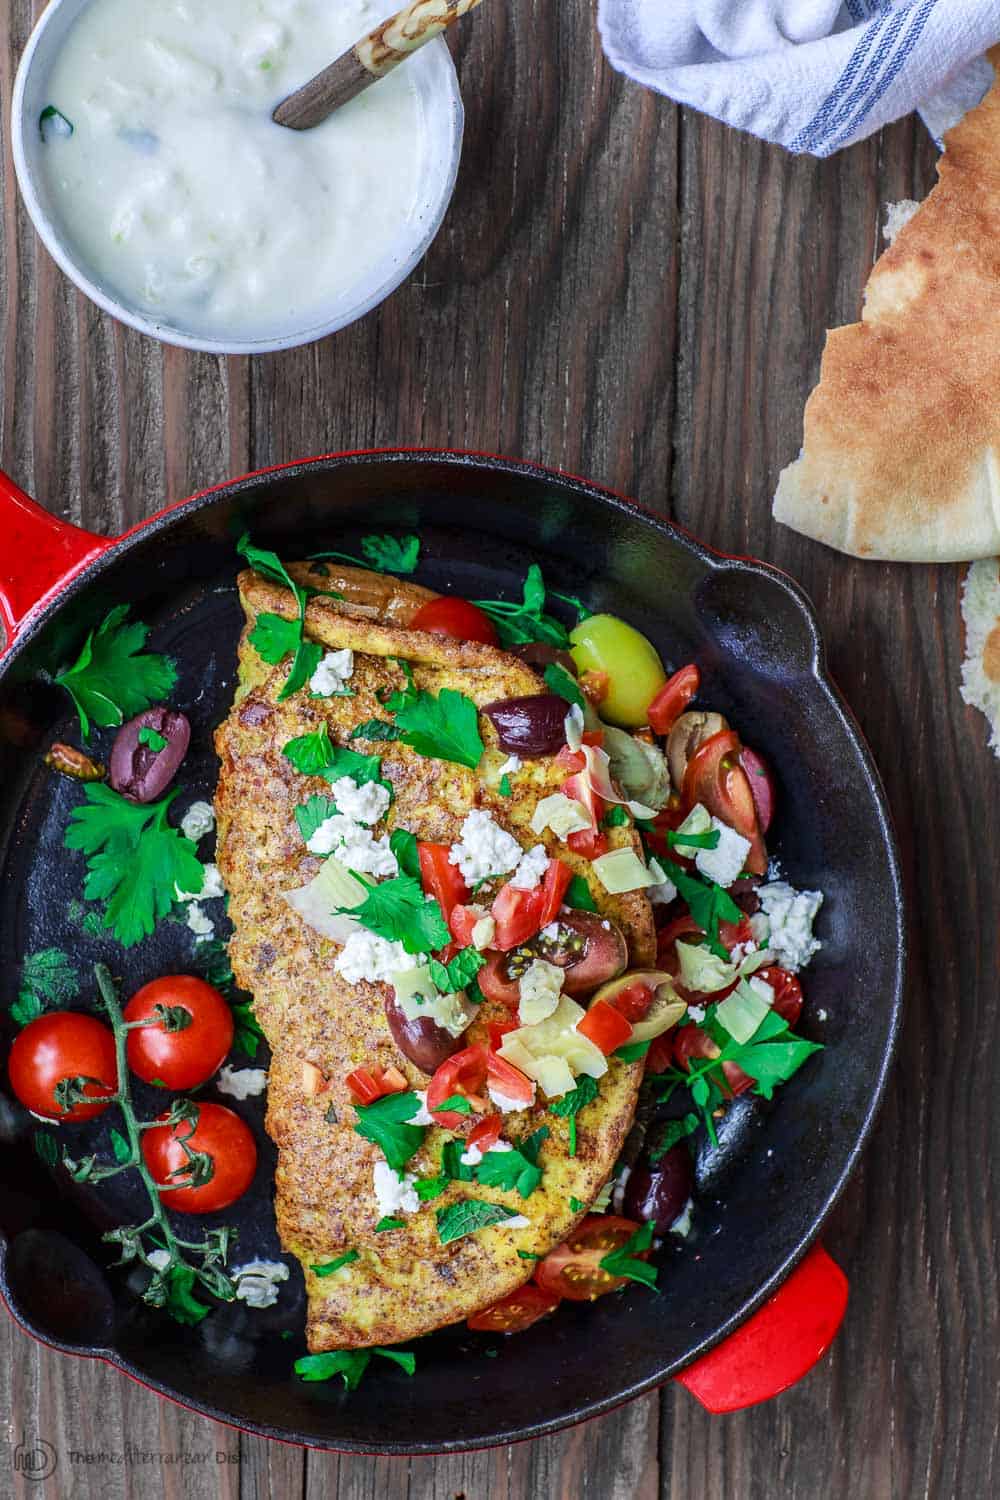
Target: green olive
{"x":635,"y":672}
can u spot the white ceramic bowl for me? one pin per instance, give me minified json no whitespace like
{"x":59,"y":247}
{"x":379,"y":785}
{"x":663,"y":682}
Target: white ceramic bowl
{"x":433,"y":75}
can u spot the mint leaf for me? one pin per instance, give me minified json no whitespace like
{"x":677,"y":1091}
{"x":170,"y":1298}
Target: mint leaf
{"x":376,"y":729}
{"x":386,"y":1124}
{"x":397,"y":909}
{"x":313,"y":814}
{"x":389,"y":554}
{"x":559,"y":680}
{"x":112,"y":679}
{"x":578,"y":895}
{"x":517,"y":1169}
{"x":445,"y":727}
{"x":458,"y":973}
{"x":347,"y":1259}
{"x":472,"y":1214}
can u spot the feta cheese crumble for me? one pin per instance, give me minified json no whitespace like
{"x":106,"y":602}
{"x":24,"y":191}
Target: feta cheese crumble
{"x":366,"y":956}
{"x":696,"y":1014}
{"x":241,"y":1083}
{"x":200,"y":923}
{"x":518,"y":1221}
{"x":471,"y":1156}
{"x":531,"y":869}
{"x":365,"y":804}
{"x":211,"y":888}
{"x":394,"y":1193}
{"x":197,"y":821}
{"x":332,"y":674}
{"x":724,"y":863}
{"x":423,"y":1115}
{"x":257,"y":1282}
{"x":540,"y":987}
{"x":512,"y":764}
{"x":484,"y":849}
{"x":355,"y":847}
{"x":790,"y":915}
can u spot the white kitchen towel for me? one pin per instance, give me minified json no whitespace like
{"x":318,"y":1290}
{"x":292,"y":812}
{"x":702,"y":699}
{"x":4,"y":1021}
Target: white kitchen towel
{"x":813,"y":75}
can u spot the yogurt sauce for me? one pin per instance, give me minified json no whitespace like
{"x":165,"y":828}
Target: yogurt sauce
{"x":184,"y":197}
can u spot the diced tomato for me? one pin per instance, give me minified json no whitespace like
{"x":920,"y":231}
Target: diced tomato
{"x":498,"y":1030}
{"x":673,"y":698}
{"x":594,"y":686}
{"x":465,"y":1074}
{"x":715,"y":778}
{"x":571,"y":760}
{"x":660,"y":1056}
{"x":633,"y":1001}
{"x":606,"y":1027}
{"x":486,"y":1132}
{"x":735,"y":934}
{"x":440,"y":878}
{"x":691,"y":1043}
{"x":461,"y":920}
{"x":369,"y":1084}
{"x":517,"y":916}
{"x":515,"y":1312}
{"x":593,"y":737}
{"x":508,"y":1080}
{"x":573,"y":1269}
{"x":787,"y":993}
{"x":588,"y":843}
{"x":495,"y":983}
{"x":579,"y":788}
{"x":553,"y":888}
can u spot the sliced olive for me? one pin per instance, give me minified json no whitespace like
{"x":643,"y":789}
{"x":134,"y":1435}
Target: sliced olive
{"x":666,"y":1009}
{"x":422,"y":1040}
{"x":691,"y":730}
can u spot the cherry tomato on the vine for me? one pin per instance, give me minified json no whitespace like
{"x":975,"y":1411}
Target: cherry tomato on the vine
{"x":170,"y":1051}
{"x":64,"y":1045}
{"x":457,"y":618}
{"x":223,"y":1138}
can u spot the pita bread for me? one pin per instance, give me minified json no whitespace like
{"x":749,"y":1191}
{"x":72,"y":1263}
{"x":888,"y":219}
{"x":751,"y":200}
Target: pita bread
{"x":981,"y":667}
{"x":901,"y":453}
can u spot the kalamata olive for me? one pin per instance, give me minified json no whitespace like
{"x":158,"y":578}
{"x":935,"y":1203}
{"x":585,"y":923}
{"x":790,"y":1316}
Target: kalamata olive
{"x":422,"y":1040}
{"x":143,"y":771}
{"x":690,"y":730}
{"x":762,"y":786}
{"x":657,"y":1191}
{"x":589,"y":947}
{"x":744,"y":893}
{"x":539,"y":654}
{"x":530,"y":726}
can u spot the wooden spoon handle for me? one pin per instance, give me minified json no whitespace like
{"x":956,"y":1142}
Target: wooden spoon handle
{"x":370,"y":59}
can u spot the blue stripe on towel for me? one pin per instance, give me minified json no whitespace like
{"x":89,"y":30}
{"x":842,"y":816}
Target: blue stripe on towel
{"x":912,"y":36}
{"x":857,"y":104}
{"x":816,"y":128}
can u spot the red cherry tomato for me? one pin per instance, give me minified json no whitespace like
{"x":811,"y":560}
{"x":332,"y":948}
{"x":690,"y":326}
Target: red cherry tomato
{"x":63,"y":1044}
{"x":605,"y":1026}
{"x":457,"y":618}
{"x":440,"y":878}
{"x":735,"y":934}
{"x":465,"y":1074}
{"x":579,"y":788}
{"x":787,"y":993}
{"x":498,"y":1030}
{"x":573,"y":1269}
{"x":223,"y":1137}
{"x":179,"y":1058}
{"x":692,"y":1044}
{"x":485,"y":1133}
{"x":715,"y":778}
{"x":762,"y":786}
{"x":673,"y":698}
{"x":515,"y":1312}
{"x":633,"y":1001}
{"x":509,"y":1081}
{"x":554,"y":886}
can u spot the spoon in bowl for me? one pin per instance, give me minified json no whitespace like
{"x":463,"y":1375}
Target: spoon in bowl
{"x":368,"y":60}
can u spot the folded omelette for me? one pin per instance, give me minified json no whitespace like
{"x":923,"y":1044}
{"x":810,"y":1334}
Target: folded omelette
{"x":404,"y":1281}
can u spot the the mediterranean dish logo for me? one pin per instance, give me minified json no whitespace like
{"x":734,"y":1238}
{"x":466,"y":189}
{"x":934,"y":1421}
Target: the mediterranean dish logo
{"x":34,"y":1458}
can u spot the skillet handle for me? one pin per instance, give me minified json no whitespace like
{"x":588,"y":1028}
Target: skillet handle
{"x":39,"y":554}
{"x":778,"y":1345}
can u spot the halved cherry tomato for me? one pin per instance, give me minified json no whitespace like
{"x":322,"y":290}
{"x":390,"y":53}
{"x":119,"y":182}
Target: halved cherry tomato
{"x":594,"y":686}
{"x":440,"y":878}
{"x":573,"y":1269}
{"x":178,"y":1058}
{"x":461,"y":920}
{"x":485,"y":1133}
{"x":369,"y":1084}
{"x":61,"y":1045}
{"x":509,"y":1081}
{"x":691,"y":1043}
{"x":606,"y":1027}
{"x":495,"y":983}
{"x":673,"y":698}
{"x":219,"y":1134}
{"x":660,"y":1056}
{"x":457,"y":618}
{"x":762,"y":786}
{"x":571,"y":760}
{"x":634,"y":1001}
{"x":515,"y":1312}
{"x":465,"y":1074}
{"x":787,"y":993}
{"x":715,"y":778}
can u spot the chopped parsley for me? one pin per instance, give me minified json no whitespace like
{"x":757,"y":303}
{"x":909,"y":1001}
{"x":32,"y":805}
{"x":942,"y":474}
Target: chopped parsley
{"x":707,"y":840}
{"x":457,"y":1103}
{"x":152,"y":739}
{"x":457,"y":974}
{"x":560,"y":682}
{"x":47,"y":978}
{"x":316,"y":755}
{"x":120,"y":1148}
{"x":530,"y":1255}
{"x":52,"y":122}
{"x":707,"y":902}
{"x":383,"y":553}
{"x":348,"y":1258}
{"x":630,"y":1052}
{"x":578,"y":895}
{"x":386,"y":1124}
{"x":404,"y":846}
{"x":113,"y":679}
{"x":274,"y":638}
{"x":518,"y":624}
{"x":349,"y":1364}
{"x":615,"y":817}
{"x":136,"y":860}
{"x":570,"y":1105}
{"x":575,"y":1204}
{"x":313,"y":814}
{"x":624,"y":1261}
{"x":505,"y":788}
{"x":472,"y":1214}
{"x":384,"y":1225}
{"x":397,"y":909}
{"x":376,"y":729}
{"x":442,"y":727}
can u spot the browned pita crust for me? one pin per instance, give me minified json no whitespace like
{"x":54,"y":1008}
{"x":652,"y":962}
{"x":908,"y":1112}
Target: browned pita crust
{"x":901,"y":453}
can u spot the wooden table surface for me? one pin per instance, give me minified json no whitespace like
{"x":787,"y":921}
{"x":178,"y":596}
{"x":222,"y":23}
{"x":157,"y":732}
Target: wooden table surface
{"x":631,"y":292}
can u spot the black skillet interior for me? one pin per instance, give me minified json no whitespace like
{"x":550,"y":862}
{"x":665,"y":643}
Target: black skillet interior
{"x":761,"y":1197}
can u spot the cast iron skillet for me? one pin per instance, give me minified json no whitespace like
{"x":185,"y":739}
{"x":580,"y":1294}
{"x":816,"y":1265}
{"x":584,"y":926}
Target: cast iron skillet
{"x":762,"y":1197}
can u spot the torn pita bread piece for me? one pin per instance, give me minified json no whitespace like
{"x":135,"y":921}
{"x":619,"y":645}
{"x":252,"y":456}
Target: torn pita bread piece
{"x":901,"y":451}
{"x":981,"y":667}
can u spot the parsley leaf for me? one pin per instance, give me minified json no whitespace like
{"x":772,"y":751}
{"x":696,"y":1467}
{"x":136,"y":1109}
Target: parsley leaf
{"x":136,"y":860}
{"x":707,"y":840}
{"x":47,"y":977}
{"x":576,"y":1204}
{"x":313,"y":814}
{"x":460,"y":1219}
{"x":456,"y":1102}
{"x":272,"y":638}
{"x":347,"y":1259}
{"x":585,"y":1093}
{"x":673,"y":1132}
{"x":517,"y":624}
{"x":152,"y":738}
{"x":389,"y":554}
{"x":505,"y":789}
{"x":445,"y":727}
{"x":630,"y":1052}
{"x":113,"y":678}
{"x":376,"y":729}
{"x":315,"y":755}
{"x":120,"y":1148}
{"x":771,"y":1056}
{"x":397,"y":909}
{"x":578,"y":895}
{"x":518,"y":1169}
{"x":707,"y":902}
{"x":457,"y":974}
{"x":387,"y":1223}
{"x":623,"y":1262}
{"x":559,"y":680}
{"x":404,"y":846}
{"x":386,"y":1124}
{"x":349,"y":1364}
{"x":615,"y":817}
